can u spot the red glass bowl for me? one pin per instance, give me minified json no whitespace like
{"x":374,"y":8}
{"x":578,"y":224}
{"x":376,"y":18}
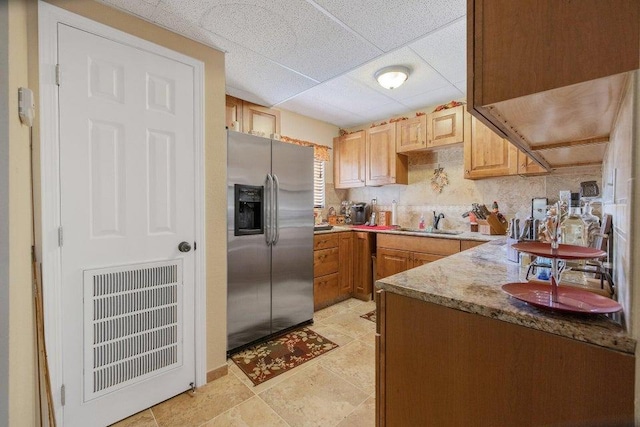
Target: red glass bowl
{"x":563,"y":251}
{"x":570,"y":300}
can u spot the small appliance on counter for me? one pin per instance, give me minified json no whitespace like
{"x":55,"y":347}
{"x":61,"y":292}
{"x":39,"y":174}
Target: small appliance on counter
{"x":360,"y":213}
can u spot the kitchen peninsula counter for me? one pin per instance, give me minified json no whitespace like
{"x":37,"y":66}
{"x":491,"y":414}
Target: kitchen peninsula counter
{"x":471,"y":281}
{"x":453,"y":349}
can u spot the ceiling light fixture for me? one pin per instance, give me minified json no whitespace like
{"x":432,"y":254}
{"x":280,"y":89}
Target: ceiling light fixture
{"x":392,"y":77}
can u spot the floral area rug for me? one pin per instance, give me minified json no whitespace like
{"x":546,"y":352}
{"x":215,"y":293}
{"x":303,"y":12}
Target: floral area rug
{"x":274,"y":357}
{"x":370,"y":316}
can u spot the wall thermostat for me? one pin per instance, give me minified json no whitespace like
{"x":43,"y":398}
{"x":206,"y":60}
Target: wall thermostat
{"x":26,"y":106}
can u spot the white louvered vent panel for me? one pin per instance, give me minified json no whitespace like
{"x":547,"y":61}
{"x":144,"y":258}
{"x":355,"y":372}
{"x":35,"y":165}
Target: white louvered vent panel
{"x":132,"y":324}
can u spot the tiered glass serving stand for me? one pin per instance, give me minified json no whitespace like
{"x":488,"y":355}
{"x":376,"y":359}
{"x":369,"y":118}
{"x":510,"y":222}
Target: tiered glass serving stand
{"x":566,"y":299}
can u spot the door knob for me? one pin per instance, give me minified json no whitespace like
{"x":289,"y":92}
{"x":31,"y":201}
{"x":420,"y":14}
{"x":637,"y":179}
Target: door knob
{"x":184,"y":247}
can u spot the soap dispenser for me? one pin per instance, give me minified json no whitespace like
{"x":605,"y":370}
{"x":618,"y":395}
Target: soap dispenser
{"x":421,"y":224}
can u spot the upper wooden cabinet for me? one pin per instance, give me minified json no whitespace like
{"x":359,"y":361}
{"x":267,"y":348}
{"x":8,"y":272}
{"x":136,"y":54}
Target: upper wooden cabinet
{"x":433,"y":130}
{"x":251,"y":117}
{"x":368,"y":158}
{"x":383,"y":165}
{"x":487,"y":154}
{"x":349,"y":160}
{"x":411,"y":134}
{"x":260,"y":119}
{"x":233,"y":112}
{"x":558,"y":80}
{"x":527,"y":166}
{"x":445,"y":127}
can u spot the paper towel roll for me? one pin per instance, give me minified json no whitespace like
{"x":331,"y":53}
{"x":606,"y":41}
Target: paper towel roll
{"x":394,"y":213}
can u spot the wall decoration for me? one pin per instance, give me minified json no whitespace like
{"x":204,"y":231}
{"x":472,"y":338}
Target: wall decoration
{"x":439,"y":180}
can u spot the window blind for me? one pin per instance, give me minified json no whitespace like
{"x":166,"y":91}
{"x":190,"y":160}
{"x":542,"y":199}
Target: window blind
{"x":318,"y":183}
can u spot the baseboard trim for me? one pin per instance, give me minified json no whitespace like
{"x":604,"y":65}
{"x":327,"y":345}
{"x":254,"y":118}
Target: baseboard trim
{"x":217,"y":373}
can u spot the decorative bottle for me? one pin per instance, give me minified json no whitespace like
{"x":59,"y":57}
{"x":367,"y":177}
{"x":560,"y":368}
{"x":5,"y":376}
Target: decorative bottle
{"x":573,"y":229}
{"x":592,"y":222}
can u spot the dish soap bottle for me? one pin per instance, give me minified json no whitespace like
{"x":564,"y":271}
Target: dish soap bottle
{"x":421,"y":224}
{"x":573,"y":228}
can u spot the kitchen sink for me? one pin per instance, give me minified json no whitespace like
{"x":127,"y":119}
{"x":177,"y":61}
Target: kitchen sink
{"x":426,"y":231}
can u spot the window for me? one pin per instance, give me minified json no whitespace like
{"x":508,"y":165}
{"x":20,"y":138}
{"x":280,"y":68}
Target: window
{"x":318,"y":183}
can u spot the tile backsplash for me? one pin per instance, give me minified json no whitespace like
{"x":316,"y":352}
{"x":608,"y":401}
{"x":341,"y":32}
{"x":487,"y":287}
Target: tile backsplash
{"x":513,"y":193}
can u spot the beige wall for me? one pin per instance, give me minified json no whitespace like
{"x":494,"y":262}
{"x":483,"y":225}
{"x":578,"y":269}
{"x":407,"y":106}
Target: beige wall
{"x":621,"y":197}
{"x":297,"y":126}
{"x":23,"y":402}
{"x":617,"y":176}
{"x":4,"y":213}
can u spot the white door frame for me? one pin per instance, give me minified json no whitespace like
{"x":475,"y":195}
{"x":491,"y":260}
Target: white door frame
{"x":48,"y":249}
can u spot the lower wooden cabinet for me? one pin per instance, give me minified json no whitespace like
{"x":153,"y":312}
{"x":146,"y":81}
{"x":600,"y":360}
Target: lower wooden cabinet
{"x":363,"y":245}
{"x":438,"y":366}
{"x":397,"y":253}
{"x":468,"y":244}
{"x":346,"y":264}
{"x":325,"y":290}
{"x":342,"y":267}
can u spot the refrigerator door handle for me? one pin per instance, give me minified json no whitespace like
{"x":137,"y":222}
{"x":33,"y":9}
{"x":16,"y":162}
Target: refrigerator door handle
{"x":268,"y":196}
{"x":276,"y":208}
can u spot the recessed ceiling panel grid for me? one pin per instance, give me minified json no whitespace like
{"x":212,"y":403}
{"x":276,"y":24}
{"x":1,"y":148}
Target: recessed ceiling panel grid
{"x":423,"y":78}
{"x":347,"y":94}
{"x":433,"y":98}
{"x":391,"y":24}
{"x":384,"y":112}
{"x":256,"y":74}
{"x":290,"y":32}
{"x":446,"y":50}
{"x":171,"y":21}
{"x":307,"y":106}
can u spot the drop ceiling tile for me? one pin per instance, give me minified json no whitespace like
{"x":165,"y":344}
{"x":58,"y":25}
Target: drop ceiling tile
{"x":389,"y":25}
{"x":433,"y":98}
{"x":189,"y":10}
{"x":291,"y":32}
{"x":143,"y":9}
{"x":167,"y":19}
{"x":380,"y":113}
{"x":462,"y":86}
{"x":262,"y":81}
{"x":423,"y":78}
{"x":446,"y":50}
{"x":257,"y":75}
{"x":307,"y":106}
{"x":347,"y":94}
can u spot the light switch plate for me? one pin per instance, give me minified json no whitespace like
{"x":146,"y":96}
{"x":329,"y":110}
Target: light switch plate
{"x":26,"y":106}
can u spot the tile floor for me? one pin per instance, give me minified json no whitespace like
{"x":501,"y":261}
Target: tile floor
{"x":335,"y":389}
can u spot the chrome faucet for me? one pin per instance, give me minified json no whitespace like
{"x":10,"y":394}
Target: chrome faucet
{"x":436,"y":219}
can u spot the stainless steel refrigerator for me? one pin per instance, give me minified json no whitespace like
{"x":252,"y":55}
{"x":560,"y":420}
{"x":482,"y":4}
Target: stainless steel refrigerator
{"x":270,"y":237}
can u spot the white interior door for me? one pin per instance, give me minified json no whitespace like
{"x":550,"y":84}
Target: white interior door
{"x":127,"y":202}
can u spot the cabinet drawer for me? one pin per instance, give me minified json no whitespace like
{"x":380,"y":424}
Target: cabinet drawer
{"x":325,"y":290}
{"x":428,"y":245}
{"x":324,"y":241}
{"x":325,"y":261}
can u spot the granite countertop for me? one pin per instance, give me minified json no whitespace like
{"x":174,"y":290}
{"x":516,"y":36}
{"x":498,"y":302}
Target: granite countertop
{"x":465,"y":235}
{"x":471,"y":281}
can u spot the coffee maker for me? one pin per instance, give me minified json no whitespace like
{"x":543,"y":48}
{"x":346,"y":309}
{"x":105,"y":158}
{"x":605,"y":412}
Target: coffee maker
{"x":360,"y":213}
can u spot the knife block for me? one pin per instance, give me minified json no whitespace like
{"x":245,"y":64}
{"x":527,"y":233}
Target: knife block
{"x":492,"y":226}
